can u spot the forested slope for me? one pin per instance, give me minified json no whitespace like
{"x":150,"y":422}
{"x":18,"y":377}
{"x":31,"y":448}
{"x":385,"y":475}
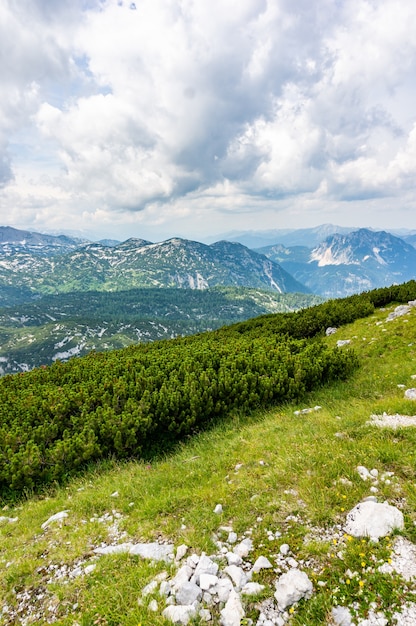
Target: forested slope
{"x":137,"y":401}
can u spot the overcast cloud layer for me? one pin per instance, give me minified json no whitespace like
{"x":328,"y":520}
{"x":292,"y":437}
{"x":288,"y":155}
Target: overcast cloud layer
{"x":186,"y":117}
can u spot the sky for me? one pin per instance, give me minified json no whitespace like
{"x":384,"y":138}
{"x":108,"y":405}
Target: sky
{"x":191,"y":118}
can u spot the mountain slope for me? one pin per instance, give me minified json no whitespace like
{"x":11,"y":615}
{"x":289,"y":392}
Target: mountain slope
{"x":277,"y":485}
{"x":349,"y":263}
{"x":73,"y":324}
{"x":138,"y":263}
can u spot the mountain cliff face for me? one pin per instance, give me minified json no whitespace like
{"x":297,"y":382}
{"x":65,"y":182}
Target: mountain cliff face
{"x":344,"y":264}
{"x":31,"y":267}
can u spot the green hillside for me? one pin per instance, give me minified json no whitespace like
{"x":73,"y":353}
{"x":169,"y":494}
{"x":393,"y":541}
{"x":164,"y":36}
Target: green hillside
{"x":65,"y":325}
{"x":283,"y":474}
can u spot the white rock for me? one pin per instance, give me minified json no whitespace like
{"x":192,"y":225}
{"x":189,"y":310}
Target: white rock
{"x":218,"y":509}
{"x":206,"y":581}
{"x":233,"y":612}
{"x":205,"y":615}
{"x":410,"y":394}
{"x":90,"y":568}
{"x":284,"y":549}
{"x":205,"y":566}
{"x":373,"y":519}
{"x":232,"y":537}
{"x":153,"y":606}
{"x":150,"y":588}
{"x":341,"y":616}
{"x":243,"y":548}
{"x":292,"y":587}
{"x":400,"y":310}
{"x":153,"y":551}
{"x":237,"y":575}
{"x":330,"y":331}
{"x":58,"y":517}
{"x":222,"y":589}
{"x":363,"y":472}
{"x":180,"y":552}
{"x":8,"y":520}
{"x":115,"y":494}
{"x":261,"y":563}
{"x":343,"y":342}
{"x":233,"y":559}
{"x":252,"y":589}
{"x":121,"y":548}
{"x":165,"y":588}
{"x":179,"y":614}
{"x":188,"y":593}
{"x":183,"y":574}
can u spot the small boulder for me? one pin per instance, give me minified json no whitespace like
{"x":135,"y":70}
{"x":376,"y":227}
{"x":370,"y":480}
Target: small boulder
{"x":292,"y":587}
{"x":373,"y":519}
{"x":233,"y":612}
{"x":410,"y":394}
{"x":58,"y":517}
{"x":179,"y":614}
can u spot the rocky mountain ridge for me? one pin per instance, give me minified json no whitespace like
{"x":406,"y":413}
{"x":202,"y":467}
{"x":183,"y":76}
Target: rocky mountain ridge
{"x":26,"y":273}
{"x":344,"y":264}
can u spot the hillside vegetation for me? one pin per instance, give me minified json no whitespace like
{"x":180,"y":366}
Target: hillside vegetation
{"x":270,"y":470}
{"x":61,"y":326}
{"x":139,"y":401}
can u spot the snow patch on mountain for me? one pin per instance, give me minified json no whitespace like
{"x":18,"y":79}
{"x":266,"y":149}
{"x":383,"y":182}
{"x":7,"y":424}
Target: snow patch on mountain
{"x":327,"y":256}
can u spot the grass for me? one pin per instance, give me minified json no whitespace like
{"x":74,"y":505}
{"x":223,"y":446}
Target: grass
{"x":290,"y":465}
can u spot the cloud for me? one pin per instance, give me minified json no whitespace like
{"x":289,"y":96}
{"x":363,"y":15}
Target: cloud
{"x":169,"y":110}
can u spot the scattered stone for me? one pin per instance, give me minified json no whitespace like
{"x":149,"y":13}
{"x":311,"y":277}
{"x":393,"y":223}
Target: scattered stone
{"x":180,"y":552}
{"x":218,"y":509}
{"x":330,"y":331}
{"x":363,"y":472}
{"x":341,"y":616}
{"x":179,"y":614}
{"x":243,"y":548}
{"x":188,"y":593}
{"x":410,"y":394}
{"x":153,"y":606}
{"x":392,"y":421}
{"x":399,"y":311}
{"x":115,"y":494}
{"x":58,"y":517}
{"x":261,"y":563}
{"x":153,"y":551}
{"x":252,"y":589}
{"x":7,"y":520}
{"x":232,"y":537}
{"x":403,"y":559}
{"x":237,"y":575}
{"x":343,"y":342}
{"x":233,"y":612}
{"x":284,"y":549}
{"x":373,"y":519}
{"x":292,"y":587}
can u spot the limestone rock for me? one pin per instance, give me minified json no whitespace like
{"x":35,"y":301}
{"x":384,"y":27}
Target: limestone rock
{"x":292,"y":587}
{"x":373,"y":519}
{"x":58,"y":517}
{"x":410,"y":394}
{"x":179,"y":614}
{"x":341,"y":616}
{"x":188,"y":593}
{"x":261,"y":563}
{"x":233,"y":612}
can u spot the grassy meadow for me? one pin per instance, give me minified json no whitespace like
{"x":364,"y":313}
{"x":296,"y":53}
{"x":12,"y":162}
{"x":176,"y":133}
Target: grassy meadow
{"x":271,"y":470}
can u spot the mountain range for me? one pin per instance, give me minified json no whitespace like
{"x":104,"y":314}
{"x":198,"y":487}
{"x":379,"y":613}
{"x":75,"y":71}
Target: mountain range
{"x":335,"y":263}
{"x":348,"y":263}
{"x":30,"y":267}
